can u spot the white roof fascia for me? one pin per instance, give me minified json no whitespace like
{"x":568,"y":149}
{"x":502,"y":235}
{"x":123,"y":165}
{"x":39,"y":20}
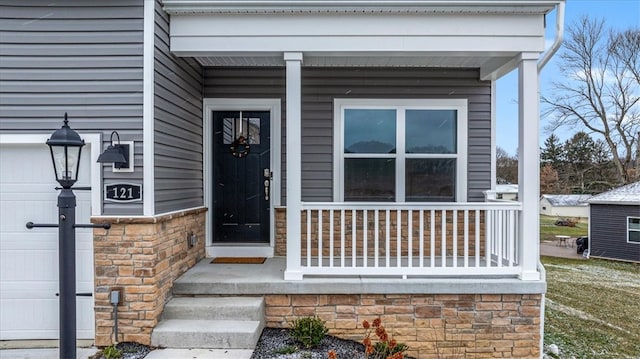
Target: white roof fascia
{"x":365,"y":6}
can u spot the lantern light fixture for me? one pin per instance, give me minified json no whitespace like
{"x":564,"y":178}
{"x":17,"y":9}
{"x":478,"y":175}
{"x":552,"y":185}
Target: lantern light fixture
{"x":66,"y":146}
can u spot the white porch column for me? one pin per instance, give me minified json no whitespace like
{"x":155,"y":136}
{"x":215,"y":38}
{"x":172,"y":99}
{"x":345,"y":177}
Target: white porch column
{"x":294,"y":164}
{"x":528,"y":165}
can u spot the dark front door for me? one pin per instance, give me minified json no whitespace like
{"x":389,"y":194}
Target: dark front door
{"x":241,"y":173}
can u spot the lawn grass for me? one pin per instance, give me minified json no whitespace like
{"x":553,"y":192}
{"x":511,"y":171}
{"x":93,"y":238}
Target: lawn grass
{"x":549,"y":231}
{"x":592,"y":308}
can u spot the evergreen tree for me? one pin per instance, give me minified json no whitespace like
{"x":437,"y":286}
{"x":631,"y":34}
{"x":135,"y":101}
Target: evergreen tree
{"x":553,"y":152}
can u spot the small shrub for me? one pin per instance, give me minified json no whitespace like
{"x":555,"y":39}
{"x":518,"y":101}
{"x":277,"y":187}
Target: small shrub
{"x":385,"y":348}
{"x":309,"y":331}
{"x":111,"y":352}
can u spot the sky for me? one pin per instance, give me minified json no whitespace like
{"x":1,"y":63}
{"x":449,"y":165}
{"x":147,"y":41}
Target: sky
{"x":618,"y":14}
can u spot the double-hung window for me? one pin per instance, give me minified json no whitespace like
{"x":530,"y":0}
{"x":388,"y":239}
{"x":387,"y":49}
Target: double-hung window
{"x":633,"y":230}
{"x":400,"y":150}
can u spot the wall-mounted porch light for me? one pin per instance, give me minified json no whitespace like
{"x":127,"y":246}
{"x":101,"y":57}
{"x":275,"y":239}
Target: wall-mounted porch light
{"x":119,"y":154}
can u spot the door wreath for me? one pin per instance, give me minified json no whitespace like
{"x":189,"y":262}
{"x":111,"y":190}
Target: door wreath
{"x":240,"y":147}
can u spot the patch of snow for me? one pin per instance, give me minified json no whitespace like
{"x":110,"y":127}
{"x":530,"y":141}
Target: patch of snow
{"x":580,"y":314}
{"x":625,"y":194}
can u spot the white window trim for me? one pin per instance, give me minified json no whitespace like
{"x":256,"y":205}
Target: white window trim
{"x":629,"y":230}
{"x":460,"y":105}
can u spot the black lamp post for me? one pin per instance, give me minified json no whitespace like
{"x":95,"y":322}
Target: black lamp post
{"x":66,"y":146}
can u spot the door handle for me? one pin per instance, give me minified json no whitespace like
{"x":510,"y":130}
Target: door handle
{"x":266,"y":173}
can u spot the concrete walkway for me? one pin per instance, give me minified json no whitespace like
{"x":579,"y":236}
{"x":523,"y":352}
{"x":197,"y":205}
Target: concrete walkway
{"x":552,"y":249}
{"x":200,"y":354}
{"x":42,"y":353}
{"x":84,"y":353}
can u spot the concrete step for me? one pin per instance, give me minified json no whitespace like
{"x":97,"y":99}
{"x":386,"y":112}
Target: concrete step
{"x":215,"y":334}
{"x":215,"y":308}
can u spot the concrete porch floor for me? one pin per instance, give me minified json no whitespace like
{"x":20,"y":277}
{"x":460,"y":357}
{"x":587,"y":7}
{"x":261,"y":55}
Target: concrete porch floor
{"x":206,"y":278}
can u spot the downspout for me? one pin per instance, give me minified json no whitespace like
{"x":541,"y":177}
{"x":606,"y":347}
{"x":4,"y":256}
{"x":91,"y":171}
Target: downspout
{"x":559,"y":37}
{"x":543,"y":61}
{"x":543,"y":297}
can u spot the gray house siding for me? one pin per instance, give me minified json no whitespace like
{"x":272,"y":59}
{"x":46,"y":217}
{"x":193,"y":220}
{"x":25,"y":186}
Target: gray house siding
{"x":608,"y":232}
{"x":80,"y":57}
{"x":178,"y":125}
{"x":320,"y":86}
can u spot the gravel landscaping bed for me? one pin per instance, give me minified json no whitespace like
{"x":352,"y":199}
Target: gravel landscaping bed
{"x":273,"y":344}
{"x":277,"y":344}
{"x":129,"y":350}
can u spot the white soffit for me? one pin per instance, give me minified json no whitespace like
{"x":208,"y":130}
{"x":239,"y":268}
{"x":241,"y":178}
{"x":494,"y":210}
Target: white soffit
{"x":360,"y":6}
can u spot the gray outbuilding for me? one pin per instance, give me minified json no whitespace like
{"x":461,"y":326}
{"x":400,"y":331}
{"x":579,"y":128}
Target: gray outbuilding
{"x":614,"y":224}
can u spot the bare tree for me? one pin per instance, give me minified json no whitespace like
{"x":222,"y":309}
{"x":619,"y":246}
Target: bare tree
{"x":600,"y":90}
{"x":506,"y":166}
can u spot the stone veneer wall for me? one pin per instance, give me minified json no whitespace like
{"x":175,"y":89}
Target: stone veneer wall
{"x":143,"y":257}
{"x":432,"y":325}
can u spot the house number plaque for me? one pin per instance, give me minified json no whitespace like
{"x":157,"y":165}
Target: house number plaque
{"x":122,"y":192}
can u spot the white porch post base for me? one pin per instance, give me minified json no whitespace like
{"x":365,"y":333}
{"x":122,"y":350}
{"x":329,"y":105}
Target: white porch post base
{"x":292,"y":275}
{"x":528,"y":275}
{"x":294,"y":163}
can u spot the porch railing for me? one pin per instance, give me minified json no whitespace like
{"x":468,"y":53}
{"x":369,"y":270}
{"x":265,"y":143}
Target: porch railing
{"x":434,"y":239}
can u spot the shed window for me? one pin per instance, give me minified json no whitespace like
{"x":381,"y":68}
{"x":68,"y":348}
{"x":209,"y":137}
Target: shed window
{"x":633,"y":230}
{"x":400,"y":150}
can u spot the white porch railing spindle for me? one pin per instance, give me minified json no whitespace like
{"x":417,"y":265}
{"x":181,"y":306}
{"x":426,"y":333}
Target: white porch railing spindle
{"x":309,"y":212}
{"x":331,"y":238}
{"x":454,"y":238}
{"x":466,"y":238}
{"x":499,"y":238}
{"x":376,"y":235}
{"x":421,"y":259}
{"x":488,"y":242}
{"x":433,"y":239}
{"x":495,"y":254}
{"x":354,"y":243}
{"x":365,"y":244}
{"x":342,"y":237}
{"x":410,"y":239}
{"x":399,"y":239}
{"x":511,"y":238}
{"x":320,"y":238}
{"x":443,"y":238}
{"x":477,"y":232}
{"x":387,"y":246}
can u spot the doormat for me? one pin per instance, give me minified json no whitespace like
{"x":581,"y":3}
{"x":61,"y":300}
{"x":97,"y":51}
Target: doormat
{"x":238,"y":260}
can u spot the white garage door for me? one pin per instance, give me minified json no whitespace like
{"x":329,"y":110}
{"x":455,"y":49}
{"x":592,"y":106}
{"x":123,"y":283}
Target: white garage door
{"x":29,"y":258}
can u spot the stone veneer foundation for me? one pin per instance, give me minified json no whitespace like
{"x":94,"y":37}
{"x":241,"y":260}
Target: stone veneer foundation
{"x":143,"y":257}
{"x":432,"y":325}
